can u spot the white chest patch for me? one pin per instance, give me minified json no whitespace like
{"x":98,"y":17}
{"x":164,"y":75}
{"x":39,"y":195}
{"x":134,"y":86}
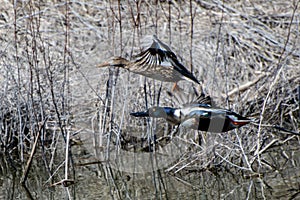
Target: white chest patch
{"x":177,"y":113}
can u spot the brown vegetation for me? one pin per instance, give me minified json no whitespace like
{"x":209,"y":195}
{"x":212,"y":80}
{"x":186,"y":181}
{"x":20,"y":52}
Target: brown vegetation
{"x":53,"y":98}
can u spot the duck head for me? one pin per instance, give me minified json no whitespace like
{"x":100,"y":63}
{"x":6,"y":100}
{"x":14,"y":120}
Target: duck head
{"x":156,"y":112}
{"x":116,"y":61}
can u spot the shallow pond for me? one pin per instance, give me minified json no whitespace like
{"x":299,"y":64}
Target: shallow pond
{"x":276,"y":176}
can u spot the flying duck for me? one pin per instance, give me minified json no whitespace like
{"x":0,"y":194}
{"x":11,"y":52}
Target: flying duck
{"x":158,"y":62}
{"x":198,"y":115}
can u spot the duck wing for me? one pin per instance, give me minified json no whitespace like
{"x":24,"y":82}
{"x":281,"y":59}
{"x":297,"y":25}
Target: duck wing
{"x":203,"y":99}
{"x":190,"y":98}
{"x":161,"y":59}
{"x":172,"y":58}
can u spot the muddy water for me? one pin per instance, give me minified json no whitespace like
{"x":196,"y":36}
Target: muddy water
{"x":102,"y":180}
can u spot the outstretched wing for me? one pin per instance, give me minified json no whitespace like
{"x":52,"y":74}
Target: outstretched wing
{"x":172,"y":58}
{"x":190,"y":98}
{"x":158,"y":61}
{"x":151,"y":58}
{"x":203,"y":99}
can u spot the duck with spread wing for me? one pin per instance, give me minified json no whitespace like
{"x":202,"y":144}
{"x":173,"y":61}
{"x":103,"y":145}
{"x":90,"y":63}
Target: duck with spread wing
{"x":158,"y":62}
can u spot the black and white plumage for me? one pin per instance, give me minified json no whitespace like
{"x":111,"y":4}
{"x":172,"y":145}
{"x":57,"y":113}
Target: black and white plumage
{"x":198,"y":116}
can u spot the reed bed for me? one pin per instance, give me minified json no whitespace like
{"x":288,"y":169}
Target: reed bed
{"x":56,"y":104}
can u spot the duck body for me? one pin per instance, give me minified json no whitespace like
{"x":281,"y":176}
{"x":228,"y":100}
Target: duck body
{"x":198,"y":116}
{"x":211,"y":119}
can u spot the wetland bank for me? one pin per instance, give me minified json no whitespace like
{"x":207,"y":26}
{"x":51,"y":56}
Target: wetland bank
{"x":66,"y":129}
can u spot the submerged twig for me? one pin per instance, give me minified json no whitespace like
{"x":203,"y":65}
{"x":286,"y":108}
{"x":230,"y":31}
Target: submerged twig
{"x":29,"y":162}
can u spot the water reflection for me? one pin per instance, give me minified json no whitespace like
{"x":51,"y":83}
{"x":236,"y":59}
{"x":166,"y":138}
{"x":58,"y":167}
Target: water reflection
{"x":218,"y":180}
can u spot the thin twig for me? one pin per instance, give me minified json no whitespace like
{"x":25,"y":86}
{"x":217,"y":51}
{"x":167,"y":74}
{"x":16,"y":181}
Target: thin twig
{"x":28,"y":165}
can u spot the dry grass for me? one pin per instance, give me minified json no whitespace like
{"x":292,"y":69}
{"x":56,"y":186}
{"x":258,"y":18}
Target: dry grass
{"x":246,"y":53}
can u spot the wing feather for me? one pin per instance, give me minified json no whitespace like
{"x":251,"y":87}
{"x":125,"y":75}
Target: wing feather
{"x":159,"y":58}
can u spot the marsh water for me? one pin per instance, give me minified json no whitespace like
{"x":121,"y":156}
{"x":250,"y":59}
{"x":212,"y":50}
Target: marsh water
{"x":96,"y":179}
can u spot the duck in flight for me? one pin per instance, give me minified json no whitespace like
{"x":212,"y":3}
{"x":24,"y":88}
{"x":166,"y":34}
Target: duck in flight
{"x":198,"y":115}
{"x":157,"y":62}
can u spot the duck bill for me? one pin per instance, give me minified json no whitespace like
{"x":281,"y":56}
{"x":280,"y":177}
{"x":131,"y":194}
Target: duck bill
{"x":104,"y":64}
{"x":140,"y":114}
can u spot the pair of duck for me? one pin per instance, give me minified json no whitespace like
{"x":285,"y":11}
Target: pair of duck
{"x":160,"y":63}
